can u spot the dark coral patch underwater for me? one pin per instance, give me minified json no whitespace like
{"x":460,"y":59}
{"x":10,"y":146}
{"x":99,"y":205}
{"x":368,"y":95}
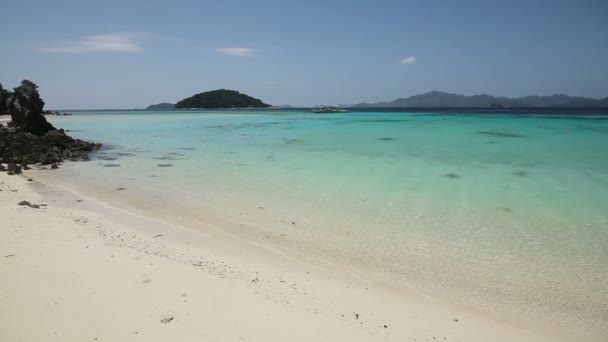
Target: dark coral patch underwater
{"x":501,"y":134}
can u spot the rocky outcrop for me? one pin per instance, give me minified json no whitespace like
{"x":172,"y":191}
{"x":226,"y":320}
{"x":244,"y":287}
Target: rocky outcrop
{"x":20,"y":147}
{"x":26,"y":107}
{"x":30,"y":139}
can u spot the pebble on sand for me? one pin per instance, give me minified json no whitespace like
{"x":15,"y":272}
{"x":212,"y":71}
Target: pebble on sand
{"x":166,"y":318}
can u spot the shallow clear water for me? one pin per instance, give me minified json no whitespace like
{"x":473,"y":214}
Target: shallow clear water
{"x":500,"y":206}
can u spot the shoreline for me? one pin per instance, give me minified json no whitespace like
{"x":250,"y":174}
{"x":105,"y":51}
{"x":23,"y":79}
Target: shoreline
{"x":511,"y":301}
{"x":319,"y":302}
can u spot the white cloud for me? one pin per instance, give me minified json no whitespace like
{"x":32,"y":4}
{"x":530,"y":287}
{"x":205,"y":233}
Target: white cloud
{"x":237,"y":51}
{"x":109,"y":42}
{"x":408,"y":60}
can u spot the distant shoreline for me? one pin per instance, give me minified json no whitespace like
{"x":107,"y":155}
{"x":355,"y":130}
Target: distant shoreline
{"x":455,"y":110}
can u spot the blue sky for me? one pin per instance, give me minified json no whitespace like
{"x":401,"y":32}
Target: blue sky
{"x":129,"y":54}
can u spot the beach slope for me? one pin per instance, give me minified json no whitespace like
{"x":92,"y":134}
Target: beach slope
{"x":73,"y":273}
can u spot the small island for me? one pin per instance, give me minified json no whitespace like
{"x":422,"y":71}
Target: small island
{"x":221,"y":98}
{"x":161,"y":106}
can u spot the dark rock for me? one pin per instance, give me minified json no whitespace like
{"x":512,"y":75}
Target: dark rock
{"x":12,"y":167}
{"x":165,"y":165}
{"x":25,"y":107}
{"x":10,"y":173}
{"x":451,"y":175}
{"x":111,"y":165}
{"x":28,"y":204}
{"x":20,"y":147}
{"x":120,"y":189}
{"x":54,"y":166}
{"x":2,"y":168}
{"x":29,"y":179}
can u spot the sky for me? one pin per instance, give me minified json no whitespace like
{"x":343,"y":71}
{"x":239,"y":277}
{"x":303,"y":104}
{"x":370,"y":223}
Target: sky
{"x":130,"y":54}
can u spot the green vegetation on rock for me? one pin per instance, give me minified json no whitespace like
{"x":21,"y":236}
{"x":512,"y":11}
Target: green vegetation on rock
{"x":222,"y":98}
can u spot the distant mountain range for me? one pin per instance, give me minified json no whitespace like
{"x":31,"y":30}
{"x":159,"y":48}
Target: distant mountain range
{"x":440,"y":99}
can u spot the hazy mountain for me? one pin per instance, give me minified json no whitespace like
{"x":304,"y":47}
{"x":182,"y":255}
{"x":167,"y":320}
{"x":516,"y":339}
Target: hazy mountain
{"x":602,"y":102}
{"x":161,"y":106}
{"x":442,"y":99}
{"x":556,"y":100}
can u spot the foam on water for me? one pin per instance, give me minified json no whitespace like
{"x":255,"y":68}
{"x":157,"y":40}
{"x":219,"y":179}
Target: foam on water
{"x":504,"y":208}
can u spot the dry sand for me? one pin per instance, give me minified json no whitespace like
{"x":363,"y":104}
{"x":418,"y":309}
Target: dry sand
{"x":78,"y":270}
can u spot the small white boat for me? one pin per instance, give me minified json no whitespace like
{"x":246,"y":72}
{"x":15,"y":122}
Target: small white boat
{"x":324,"y":109}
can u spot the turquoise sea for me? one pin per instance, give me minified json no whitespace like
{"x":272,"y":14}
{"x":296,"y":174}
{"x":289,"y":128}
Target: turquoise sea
{"x":492,"y":211}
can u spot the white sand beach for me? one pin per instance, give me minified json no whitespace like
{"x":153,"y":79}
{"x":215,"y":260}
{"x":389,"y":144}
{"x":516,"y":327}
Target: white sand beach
{"x":304,"y":171}
{"x":77,"y":270}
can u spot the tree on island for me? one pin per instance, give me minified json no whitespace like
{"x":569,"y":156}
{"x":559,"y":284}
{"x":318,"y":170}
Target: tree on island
{"x":25,"y":107}
{"x":221,"y":98}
